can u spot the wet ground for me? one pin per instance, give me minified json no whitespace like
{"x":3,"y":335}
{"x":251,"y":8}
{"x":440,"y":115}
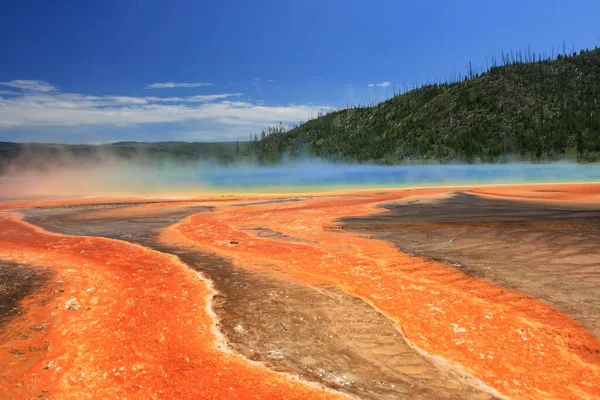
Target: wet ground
{"x":463,"y":316}
{"x":548,"y":250}
{"x":17,"y":281}
{"x":318,"y":333}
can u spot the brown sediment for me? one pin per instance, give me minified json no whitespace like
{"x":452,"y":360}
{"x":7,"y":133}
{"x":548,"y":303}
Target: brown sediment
{"x":320,"y":334}
{"x":547,"y":250}
{"x":17,"y":282}
{"x":510,"y":341}
{"x":100,"y":202}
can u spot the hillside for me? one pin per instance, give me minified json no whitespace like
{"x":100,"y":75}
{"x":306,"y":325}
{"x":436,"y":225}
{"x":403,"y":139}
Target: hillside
{"x":546,"y":109}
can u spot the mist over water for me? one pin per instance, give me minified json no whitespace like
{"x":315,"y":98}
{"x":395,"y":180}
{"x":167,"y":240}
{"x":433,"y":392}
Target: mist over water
{"x":118,"y":177}
{"x":324,"y":175}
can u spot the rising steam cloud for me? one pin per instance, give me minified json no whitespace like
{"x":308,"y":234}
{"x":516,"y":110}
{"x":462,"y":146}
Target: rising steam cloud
{"x":107,"y":174}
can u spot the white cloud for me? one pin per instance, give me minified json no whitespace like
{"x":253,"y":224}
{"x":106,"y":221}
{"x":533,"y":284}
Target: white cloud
{"x":203,"y":98}
{"x":37,"y":109}
{"x":170,"y":85}
{"x":380,"y":84}
{"x":30,"y":85}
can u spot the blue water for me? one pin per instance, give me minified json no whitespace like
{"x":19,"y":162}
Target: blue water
{"x":192,"y":179}
{"x":307,"y":176}
{"x":323,"y":175}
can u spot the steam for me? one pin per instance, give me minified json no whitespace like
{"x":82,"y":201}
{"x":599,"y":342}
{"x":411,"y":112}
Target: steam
{"x":104,"y":174}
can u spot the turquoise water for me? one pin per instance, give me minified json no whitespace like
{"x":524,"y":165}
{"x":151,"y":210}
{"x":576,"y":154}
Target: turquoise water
{"x":314,"y":175}
{"x":322,"y":175}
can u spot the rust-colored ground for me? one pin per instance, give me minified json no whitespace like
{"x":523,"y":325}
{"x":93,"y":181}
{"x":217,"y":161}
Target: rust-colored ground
{"x":127,"y":323}
{"x":119,"y":320}
{"x":515,"y":344}
{"x":573,"y":192}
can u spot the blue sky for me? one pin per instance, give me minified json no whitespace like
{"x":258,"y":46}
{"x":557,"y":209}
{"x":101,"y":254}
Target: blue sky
{"x":101,"y":71}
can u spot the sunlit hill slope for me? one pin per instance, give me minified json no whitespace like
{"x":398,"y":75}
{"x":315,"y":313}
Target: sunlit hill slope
{"x":520,"y":108}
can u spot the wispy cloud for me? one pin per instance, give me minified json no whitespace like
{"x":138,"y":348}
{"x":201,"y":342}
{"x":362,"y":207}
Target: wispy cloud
{"x":193,"y":99}
{"x":30,"y":85}
{"x":170,"y":85}
{"x":255,"y":83}
{"x":380,"y":84}
{"x":31,"y":109}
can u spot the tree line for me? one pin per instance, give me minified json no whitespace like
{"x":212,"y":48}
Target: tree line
{"x":525,"y":106}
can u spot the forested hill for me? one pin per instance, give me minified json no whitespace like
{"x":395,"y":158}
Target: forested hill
{"x":543,"y":109}
{"x":524,"y":110}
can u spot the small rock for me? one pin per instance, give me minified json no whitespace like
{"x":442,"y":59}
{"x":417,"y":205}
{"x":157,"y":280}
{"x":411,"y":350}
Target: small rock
{"x":275,"y":354}
{"x":239,"y":329}
{"x":51,"y":364}
{"x":72,"y":304}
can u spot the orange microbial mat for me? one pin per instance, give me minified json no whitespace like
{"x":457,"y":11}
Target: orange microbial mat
{"x":119,"y":320}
